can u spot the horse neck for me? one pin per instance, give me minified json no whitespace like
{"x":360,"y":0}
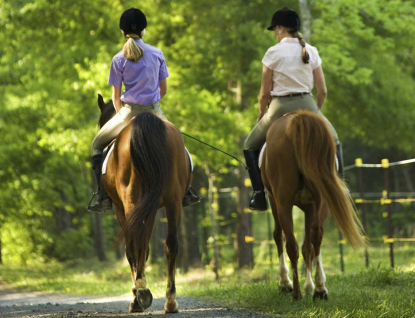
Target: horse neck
{"x":106,"y":115}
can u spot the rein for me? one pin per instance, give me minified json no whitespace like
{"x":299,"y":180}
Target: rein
{"x":202,"y":142}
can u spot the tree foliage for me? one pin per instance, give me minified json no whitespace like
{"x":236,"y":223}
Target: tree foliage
{"x":55,"y":57}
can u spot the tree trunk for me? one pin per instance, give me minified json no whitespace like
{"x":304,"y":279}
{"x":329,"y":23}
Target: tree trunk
{"x":99,"y":238}
{"x":205,"y":234}
{"x":305,"y":13}
{"x":62,"y":216}
{"x":243,"y":249}
{"x":184,"y":255}
{"x":119,"y":248}
{"x":192,"y":233}
{"x":212,"y":212}
{"x":158,"y":237}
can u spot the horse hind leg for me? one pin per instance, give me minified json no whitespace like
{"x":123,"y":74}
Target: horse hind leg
{"x":129,"y":251}
{"x":286,"y":221}
{"x":134,"y":305}
{"x":307,"y":249}
{"x":142,"y":295}
{"x":173,"y":213}
{"x":283,"y":271}
{"x":320,"y":292}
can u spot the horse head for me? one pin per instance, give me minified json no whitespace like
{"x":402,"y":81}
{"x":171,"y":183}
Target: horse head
{"x":107,"y":110}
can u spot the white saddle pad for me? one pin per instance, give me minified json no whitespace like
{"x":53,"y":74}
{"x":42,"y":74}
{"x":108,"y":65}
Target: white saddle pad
{"x":261,"y":154}
{"x":104,"y":165}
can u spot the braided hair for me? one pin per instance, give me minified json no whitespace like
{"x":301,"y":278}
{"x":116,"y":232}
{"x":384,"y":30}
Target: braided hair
{"x":295,"y":34}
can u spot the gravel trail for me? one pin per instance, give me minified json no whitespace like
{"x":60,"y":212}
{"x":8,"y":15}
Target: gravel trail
{"x":37,"y":304}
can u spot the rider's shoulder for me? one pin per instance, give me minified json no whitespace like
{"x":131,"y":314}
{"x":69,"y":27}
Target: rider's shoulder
{"x":153,"y":49}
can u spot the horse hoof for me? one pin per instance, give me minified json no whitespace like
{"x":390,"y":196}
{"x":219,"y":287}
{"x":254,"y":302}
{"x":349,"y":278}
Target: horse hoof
{"x":297,"y":296}
{"x":287,"y":289}
{"x":144,"y":297}
{"x":135,"y":307}
{"x":174,"y":311}
{"x":320,"y":295}
{"x":171,"y":307}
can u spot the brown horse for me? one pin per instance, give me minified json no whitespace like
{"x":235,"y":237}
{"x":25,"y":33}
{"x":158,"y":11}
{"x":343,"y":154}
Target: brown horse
{"x":298,"y":168}
{"x":147,"y":170}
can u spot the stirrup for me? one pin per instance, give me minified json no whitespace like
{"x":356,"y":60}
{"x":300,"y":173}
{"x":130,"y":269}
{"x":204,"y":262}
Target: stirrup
{"x":190,"y":197}
{"x":101,"y":205}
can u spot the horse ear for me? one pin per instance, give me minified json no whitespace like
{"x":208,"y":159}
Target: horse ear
{"x":101,"y":103}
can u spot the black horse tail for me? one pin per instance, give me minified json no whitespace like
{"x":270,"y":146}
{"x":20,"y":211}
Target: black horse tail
{"x":150,"y":161}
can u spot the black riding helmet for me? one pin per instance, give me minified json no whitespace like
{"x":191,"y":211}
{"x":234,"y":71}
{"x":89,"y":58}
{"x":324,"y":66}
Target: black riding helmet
{"x":133,"y":21}
{"x":285,"y":17}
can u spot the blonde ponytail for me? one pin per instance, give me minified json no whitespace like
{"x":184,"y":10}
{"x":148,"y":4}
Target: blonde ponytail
{"x":131,"y":49}
{"x":295,"y":34}
{"x":304,"y":55}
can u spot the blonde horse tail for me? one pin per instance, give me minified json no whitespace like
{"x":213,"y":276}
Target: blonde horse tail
{"x":150,"y":163}
{"x":315,"y":152}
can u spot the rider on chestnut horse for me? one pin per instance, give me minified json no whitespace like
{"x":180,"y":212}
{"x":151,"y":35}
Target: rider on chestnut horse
{"x":143,"y":71}
{"x":290,"y":70}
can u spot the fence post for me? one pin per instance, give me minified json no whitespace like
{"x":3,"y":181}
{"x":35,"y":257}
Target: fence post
{"x":341,"y":243}
{"x":212,"y":211}
{"x":386,"y":200}
{"x":359,"y":163}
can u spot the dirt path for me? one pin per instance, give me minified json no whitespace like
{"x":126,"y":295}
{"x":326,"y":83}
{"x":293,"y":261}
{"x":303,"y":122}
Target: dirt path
{"x":36,"y":305}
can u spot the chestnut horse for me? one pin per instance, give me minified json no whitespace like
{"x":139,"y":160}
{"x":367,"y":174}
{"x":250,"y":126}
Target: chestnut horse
{"x":298,"y":168}
{"x":148,"y":169}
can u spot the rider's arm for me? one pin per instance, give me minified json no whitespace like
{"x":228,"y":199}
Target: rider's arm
{"x":265,"y":92}
{"x":320,"y":85}
{"x":116,"y":98}
{"x":163,"y":88}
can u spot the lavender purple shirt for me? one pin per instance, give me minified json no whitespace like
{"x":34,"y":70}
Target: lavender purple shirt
{"x":141,"y":79}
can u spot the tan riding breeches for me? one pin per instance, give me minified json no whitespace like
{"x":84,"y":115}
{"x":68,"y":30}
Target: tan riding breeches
{"x":113,"y":127}
{"x":278,"y":107}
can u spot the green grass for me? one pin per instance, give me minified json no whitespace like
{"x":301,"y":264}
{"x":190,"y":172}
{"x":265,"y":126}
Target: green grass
{"x":371,"y":293}
{"x":375,"y":292}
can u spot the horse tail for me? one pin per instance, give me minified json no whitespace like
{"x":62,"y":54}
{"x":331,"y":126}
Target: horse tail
{"x":315,"y":152}
{"x":150,"y":162}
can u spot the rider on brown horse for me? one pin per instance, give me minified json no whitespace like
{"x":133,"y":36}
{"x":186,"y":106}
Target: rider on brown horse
{"x":290,"y":70}
{"x":143,"y":71}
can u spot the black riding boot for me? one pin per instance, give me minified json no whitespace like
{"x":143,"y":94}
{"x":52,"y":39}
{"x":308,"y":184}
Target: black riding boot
{"x":190,"y":197}
{"x":339,"y":155}
{"x":103,"y":201}
{"x":258,"y":200}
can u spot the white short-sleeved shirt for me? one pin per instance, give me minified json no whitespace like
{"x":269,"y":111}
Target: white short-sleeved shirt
{"x":291,"y":74}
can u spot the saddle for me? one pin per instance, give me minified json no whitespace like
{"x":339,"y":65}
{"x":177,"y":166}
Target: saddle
{"x":108,"y":150}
